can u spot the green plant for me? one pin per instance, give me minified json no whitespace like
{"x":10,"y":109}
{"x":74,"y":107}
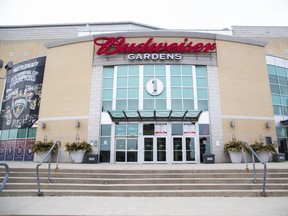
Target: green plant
{"x":70,"y":147}
{"x":40,"y":146}
{"x":261,"y":147}
{"x":234,"y":145}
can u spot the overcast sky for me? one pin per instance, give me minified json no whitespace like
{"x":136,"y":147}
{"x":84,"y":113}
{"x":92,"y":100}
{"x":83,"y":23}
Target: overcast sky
{"x":170,"y":14}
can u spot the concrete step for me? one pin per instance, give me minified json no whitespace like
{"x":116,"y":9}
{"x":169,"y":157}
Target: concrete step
{"x":88,"y":182}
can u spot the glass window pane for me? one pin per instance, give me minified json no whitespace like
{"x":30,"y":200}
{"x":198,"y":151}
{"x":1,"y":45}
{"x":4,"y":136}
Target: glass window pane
{"x":187,"y":92}
{"x":274,"y":89}
{"x":187,"y":81}
{"x":146,"y":79}
{"x":5,"y":134}
{"x":105,"y":143}
{"x":121,"y":104}
{"x":133,"y":70}
{"x":280,"y":131}
{"x":281,"y":71}
{"x":203,"y":105}
{"x":284,"y":100}
{"x":133,"y":93}
{"x":120,"y":129}
{"x":133,"y":104}
{"x":133,"y":81}
{"x":106,"y":130}
{"x":276,"y":99}
{"x":122,"y":71}
{"x":175,"y":81}
{"x":106,"y":105}
{"x":285,"y":110}
{"x":176,"y":104}
{"x":132,"y":129}
{"x":187,"y":70}
{"x":282,"y":80}
{"x":107,"y":94}
{"x":277,"y":110}
{"x":108,"y":83}
{"x":120,"y":144}
{"x":132,"y":144}
{"x":204,"y":129}
{"x":273,"y":79}
{"x":148,"y":70}
{"x":160,"y":104}
{"x":121,"y":93}
{"x":22,"y":133}
{"x":122,"y":82}
{"x":148,"y":129}
{"x":160,"y":70}
{"x":32,"y":132}
{"x":108,"y":72}
{"x":13,"y":134}
{"x":175,"y":70}
{"x":176,"y":93}
{"x":148,"y":104}
{"x":271,"y":69}
{"x":177,"y":129}
{"x":201,"y":71}
{"x":132,"y":156}
{"x":188,"y":104}
{"x":202,"y":93}
{"x":201,"y":82}
{"x":284,"y":90}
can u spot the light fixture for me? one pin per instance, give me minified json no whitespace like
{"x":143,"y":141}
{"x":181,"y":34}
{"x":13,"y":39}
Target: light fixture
{"x":9,"y":66}
{"x":233,"y":123}
{"x":43,"y":125}
{"x":77,"y":124}
{"x":1,"y":64}
{"x":268,"y":124}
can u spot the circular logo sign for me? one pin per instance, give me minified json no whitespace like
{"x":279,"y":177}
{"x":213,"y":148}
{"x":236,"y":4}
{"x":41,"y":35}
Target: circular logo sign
{"x":154,"y":87}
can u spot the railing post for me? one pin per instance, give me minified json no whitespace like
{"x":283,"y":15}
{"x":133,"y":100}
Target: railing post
{"x":6,"y":176}
{"x":39,"y":193}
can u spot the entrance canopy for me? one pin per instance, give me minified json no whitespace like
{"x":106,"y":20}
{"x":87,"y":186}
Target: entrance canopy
{"x":154,"y":115}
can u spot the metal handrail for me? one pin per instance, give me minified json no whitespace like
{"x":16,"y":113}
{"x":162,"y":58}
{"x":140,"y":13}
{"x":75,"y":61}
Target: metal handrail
{"x":6,"y":176}
{"x":254,"y":154}
{"x":49,"y":153}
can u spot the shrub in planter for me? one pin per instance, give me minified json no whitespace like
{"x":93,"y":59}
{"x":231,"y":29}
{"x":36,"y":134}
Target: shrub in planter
{"x":263,"y":150}
{"x":42,"y":148}
{"x":77,"y":150}
{"x":234,"y":148}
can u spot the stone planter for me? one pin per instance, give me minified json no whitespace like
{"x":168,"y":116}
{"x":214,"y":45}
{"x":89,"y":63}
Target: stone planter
{"x":41,"y":155}
{"x":264,"y":156}
{"x":78,"y":156}
{"x":236,"y":157}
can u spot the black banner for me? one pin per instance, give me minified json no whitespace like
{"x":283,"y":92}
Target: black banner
{"x":22,"y":94}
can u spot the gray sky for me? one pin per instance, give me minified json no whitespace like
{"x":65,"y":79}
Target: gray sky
{"x":171,"y":14}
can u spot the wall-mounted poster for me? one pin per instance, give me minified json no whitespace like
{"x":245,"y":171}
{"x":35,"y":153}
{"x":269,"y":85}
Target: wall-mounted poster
{"x":22,"y":94}
{"x":188,"y":128}
{"x":160,"y":128}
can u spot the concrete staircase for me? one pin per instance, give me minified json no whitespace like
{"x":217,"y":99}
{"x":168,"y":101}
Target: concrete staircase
{"x":145,"y":183}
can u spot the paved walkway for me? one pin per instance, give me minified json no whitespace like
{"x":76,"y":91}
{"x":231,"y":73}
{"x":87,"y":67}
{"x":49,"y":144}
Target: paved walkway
{"x":144,"y":206}
{"x":152,"y":206}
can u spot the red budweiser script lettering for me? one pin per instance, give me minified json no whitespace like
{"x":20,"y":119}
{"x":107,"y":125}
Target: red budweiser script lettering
{"x":114,"y":45}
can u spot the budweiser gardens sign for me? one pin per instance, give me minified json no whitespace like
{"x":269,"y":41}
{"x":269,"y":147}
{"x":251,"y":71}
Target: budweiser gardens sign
{"x":150,"y":50}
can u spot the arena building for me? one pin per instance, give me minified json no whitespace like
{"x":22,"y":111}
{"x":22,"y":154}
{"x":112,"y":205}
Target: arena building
{"x":142,"y":94}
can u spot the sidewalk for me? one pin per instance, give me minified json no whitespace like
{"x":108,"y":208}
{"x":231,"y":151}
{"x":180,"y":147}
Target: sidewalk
{"x":139,"y":206}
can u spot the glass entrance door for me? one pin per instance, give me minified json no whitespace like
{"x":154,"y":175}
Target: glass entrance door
{"x":126,"y":150}
{"x":155,"y":149}
{"x":183,"y":149}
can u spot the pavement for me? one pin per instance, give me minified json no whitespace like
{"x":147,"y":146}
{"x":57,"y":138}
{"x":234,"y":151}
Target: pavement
{"x":146,"y":206}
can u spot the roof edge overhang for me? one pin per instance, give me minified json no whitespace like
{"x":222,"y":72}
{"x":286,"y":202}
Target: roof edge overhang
{"x":159,"y":33}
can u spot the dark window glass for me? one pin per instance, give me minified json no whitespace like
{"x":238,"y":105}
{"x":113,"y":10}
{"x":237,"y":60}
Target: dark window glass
{"x":177,"y":129}
{"x":204,"y":129}
{"x":148,"y":129}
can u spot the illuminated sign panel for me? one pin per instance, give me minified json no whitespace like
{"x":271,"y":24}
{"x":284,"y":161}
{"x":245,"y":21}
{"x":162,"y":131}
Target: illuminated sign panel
{"x":149,"y":49}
